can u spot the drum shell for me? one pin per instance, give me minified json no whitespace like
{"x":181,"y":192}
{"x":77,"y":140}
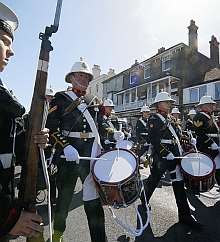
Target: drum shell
{"x":122,"y":193}
{"x":199,"y":184}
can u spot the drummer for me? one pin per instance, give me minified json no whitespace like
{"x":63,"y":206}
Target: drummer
{"x":207,"y":131}
{"x":165,"y":148}
{"x":107,"y":126}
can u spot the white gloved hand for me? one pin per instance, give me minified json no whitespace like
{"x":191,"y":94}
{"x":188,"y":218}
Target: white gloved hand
{"x":193,"y":141}
{"x":129,"y":135}
{"x":170,"y":156}
{"x":214,"y":146}
{"x":118,"y":135}
{"x":71,"y":154}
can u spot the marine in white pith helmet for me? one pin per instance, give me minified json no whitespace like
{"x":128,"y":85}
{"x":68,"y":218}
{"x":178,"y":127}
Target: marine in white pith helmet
{"x":8,"y":20}
{"x":79,"y":67}
{"x":162,"y":97}
{"x":108,"y":103}
{"x":175,"y":111}
{"x":192,"y":112}
{"x":79,"y":76}
{"x":206,"y":100}
{"x":145,"y":108}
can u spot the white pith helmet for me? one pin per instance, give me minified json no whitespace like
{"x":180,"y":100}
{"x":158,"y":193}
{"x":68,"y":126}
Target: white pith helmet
{"x":206,"y":100}
{"x":163,"y":97}
{"x":175,"y":110}
{"x":108,"y":103}
{"x":79,"y":66}
{"x":9,"y":20}
{"x":145,"y":108}
{"x":49,"y":92}
{"x":192,"y":112}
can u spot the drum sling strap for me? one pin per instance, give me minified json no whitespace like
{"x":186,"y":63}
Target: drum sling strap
{"x":172,"y":131}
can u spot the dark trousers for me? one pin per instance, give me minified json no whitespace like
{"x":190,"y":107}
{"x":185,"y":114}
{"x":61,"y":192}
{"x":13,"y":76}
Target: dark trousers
{"x":66,"y":180}
{"x":159,"y":167}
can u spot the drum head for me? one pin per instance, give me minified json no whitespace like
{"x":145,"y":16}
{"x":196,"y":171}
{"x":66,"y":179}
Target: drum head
{"x":117,"y":166}
{"x":124,"y":144}
{"x":197,"y":164}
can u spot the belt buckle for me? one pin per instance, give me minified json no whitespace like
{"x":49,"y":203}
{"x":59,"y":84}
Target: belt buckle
{"x":84,"y":135}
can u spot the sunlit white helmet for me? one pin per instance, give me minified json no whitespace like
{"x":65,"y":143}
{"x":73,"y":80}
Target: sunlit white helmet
{"x":108,"y":103}
{"x":206,"y":100}
{"x":162,"y":97}
{"x":79,"y":66}
{"x":145,"y":108}
{"x":8,"y":20}
{"x":175,"y":110}
{"x":49,"y":92}
{"x":192,"y":112}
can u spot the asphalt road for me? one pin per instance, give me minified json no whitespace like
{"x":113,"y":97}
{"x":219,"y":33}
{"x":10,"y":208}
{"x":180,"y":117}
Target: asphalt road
{"x":164,"y":226}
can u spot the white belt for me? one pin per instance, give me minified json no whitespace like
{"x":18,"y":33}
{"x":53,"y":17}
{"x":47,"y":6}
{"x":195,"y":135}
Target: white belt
{"x":167,"y":141}
{"x":144,"y":133}
{"x":79,"y":135}
{"x":213,"y":135}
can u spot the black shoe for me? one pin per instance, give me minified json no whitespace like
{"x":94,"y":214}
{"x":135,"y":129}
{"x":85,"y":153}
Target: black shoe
{"x":191,"y":222}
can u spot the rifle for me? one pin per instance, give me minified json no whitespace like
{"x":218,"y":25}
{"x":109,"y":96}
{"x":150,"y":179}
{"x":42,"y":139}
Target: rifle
{"x":37,"y":119}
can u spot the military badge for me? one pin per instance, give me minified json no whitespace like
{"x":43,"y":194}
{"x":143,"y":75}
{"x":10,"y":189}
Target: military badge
{"x":198,"y":123}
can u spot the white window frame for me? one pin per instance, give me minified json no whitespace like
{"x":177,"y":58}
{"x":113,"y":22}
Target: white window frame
{"x":147,"y":67}
{"x":164,"y":60}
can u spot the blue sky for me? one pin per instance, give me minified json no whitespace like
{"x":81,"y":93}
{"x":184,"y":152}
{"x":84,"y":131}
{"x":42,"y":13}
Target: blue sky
{"x":110,"y":33}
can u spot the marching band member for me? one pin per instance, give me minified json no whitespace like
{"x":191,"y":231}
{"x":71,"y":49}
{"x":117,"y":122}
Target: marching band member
{"x":142,"y":133}
{"x":165,"y":147}
{"x":141,"y":125}
{"x":174,"y":115}
{"x":14,"y":220}
{"x":207,"y":131}
{"x":107,"y":126}
{"x":189,"y":121}
{"x":72,"y":121}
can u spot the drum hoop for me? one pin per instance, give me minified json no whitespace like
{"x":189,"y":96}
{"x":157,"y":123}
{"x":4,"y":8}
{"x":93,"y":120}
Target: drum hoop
{"x":115,"y":183}
{"x":199,"y":177}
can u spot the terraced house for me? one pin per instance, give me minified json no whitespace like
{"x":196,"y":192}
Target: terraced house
{"x":171,"y":70}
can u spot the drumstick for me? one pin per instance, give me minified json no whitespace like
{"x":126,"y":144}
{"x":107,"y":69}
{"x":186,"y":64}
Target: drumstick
{"x":86,"y":158}
{"x":183,"y":157}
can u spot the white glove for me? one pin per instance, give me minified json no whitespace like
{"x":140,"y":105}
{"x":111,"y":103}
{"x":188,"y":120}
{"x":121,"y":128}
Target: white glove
{"x":71,"y":154}
{"x":214,"y":146}
{"x":128,"y":135}
{"x":118,"y":135}
{"x":193,"y":141}
{"x":170,"y":156}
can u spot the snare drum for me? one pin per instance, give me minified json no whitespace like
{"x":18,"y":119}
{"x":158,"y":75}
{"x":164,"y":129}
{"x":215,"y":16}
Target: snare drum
{"x":124,"y":144}
{"x":117,"y":177}
{"x":198,"y":172}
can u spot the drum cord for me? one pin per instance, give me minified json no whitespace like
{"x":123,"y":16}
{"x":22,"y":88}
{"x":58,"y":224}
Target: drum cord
{"x":197,"y":152}
{"x":134,"y":232}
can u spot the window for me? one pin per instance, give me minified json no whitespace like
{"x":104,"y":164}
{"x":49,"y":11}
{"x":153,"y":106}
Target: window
{"x":127,"y":97}
{"x":120,"y":99}
{"x":133,"y":95}
{"x":166,"y":63}
{"x":135,"y":77}
{"x":193,"y":95}
{"x":154,"y":90}
{"x":217,"y":91}
{"x":147,"y":71}
{"x":202,"y":91}
{"x":141,"y":92}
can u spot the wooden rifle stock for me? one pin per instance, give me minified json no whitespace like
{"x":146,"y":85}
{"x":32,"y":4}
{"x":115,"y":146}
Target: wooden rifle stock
{"x":36,"y":119}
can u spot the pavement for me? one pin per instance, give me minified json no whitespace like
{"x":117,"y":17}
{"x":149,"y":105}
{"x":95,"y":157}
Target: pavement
{"x":164,"y":226}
